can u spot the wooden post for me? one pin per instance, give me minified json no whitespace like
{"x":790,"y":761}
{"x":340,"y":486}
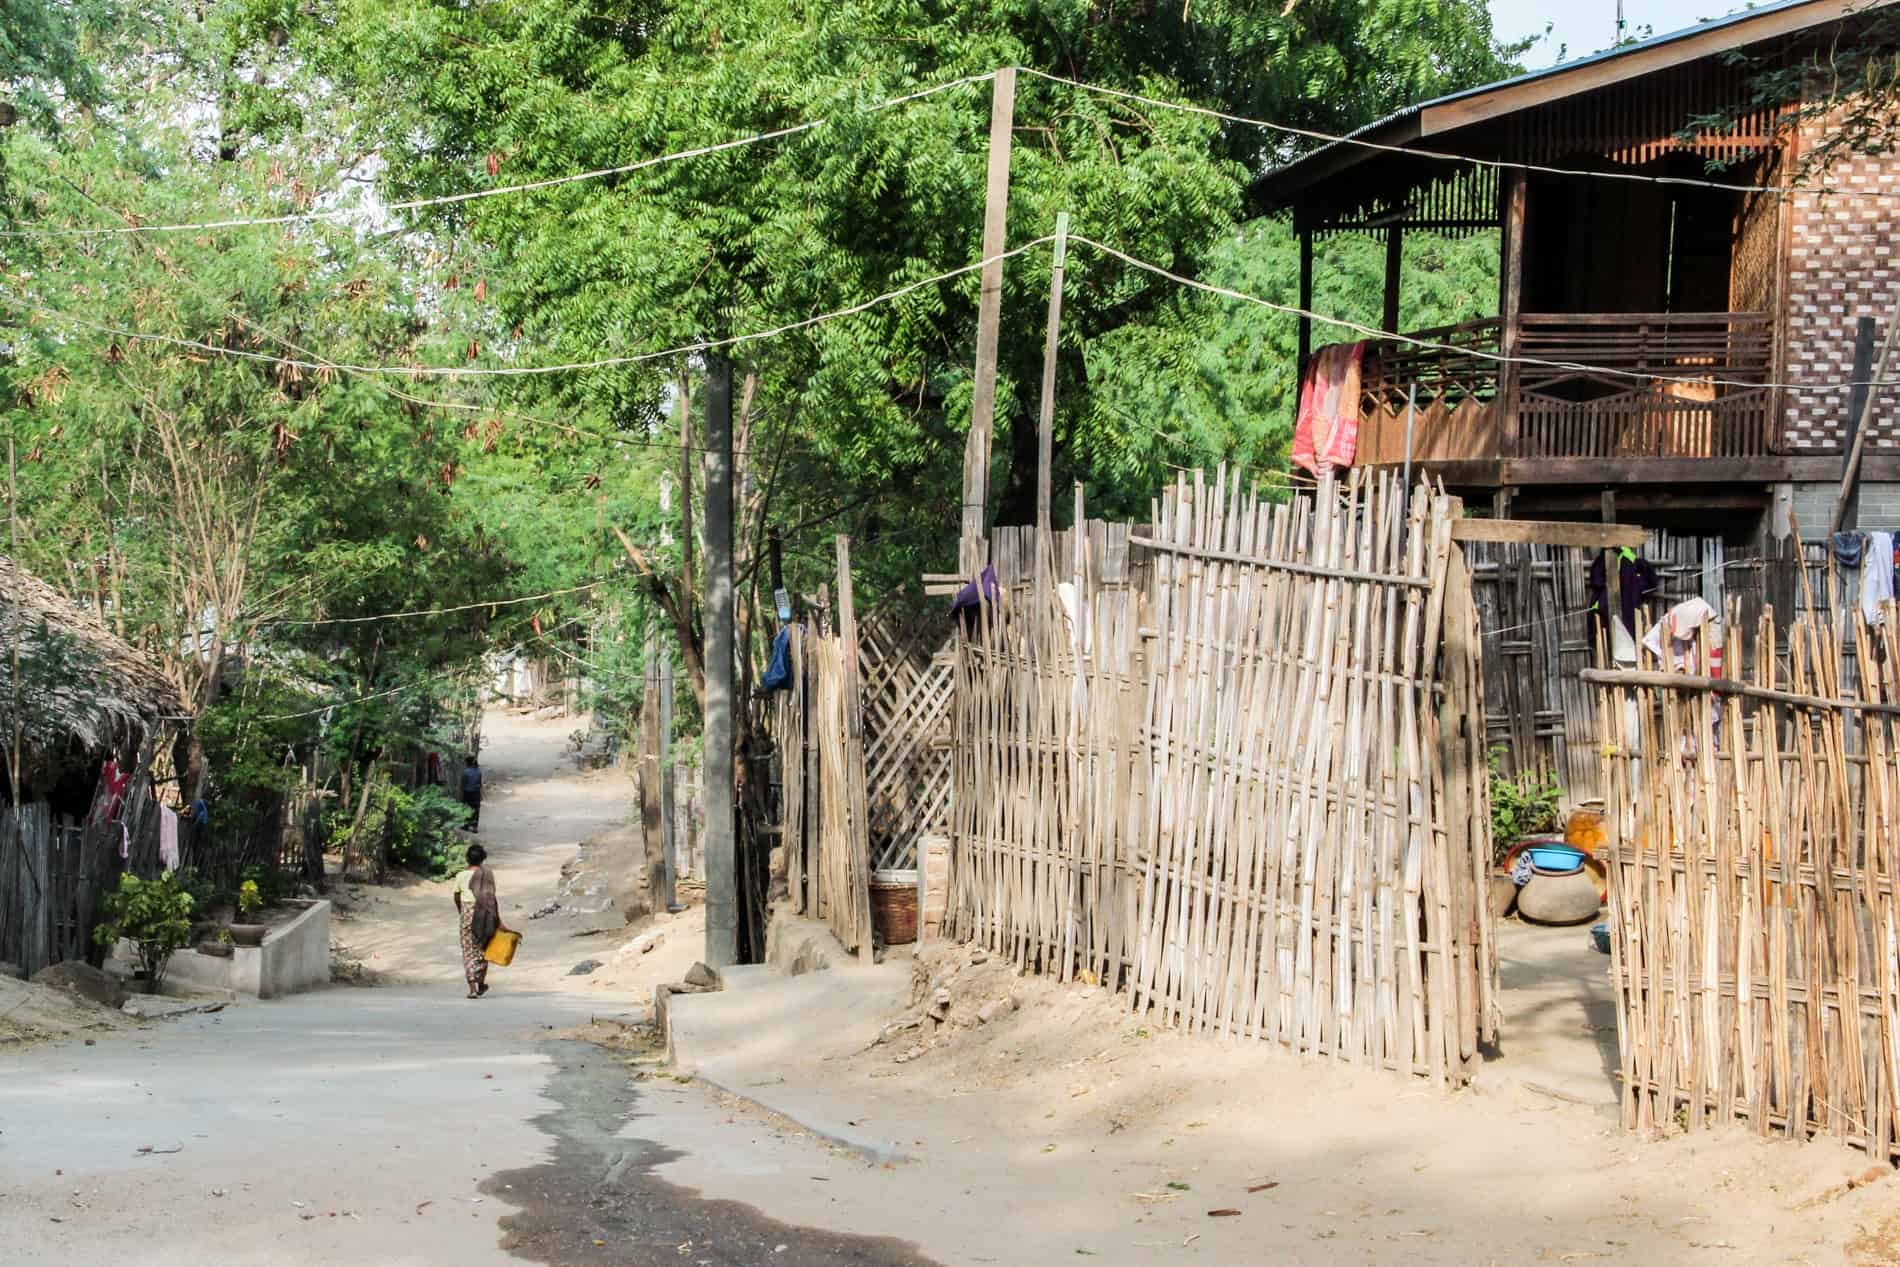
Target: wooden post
{"x":1865,"y":418}
{"x":1612,"y":578}
{"x":652,"y":842}
{"x":989,"y":316}
{"x":1306,"y":321}
{"x":1394,"y":259}
{"x":1856,"y":401}
{"x":1045,"y":429}
{"x":683,"y":400}
{"x":856,"y":797}
{"x":775,"y":551}
{"x":722,"y":841}
{"x":1510,"y":306}
{"x":669,"y":838}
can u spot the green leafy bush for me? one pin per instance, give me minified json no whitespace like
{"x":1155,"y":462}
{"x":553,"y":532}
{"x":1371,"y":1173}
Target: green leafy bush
{"x":1522,"y":804}
{"x":422,"y":831}
{"x":154,"y":915}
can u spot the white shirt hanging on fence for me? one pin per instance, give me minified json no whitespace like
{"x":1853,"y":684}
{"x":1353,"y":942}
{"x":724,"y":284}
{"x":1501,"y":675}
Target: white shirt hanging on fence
{"x":167,"y":838}
{"x":1876,"y":577}
{"x":1676,"y":638}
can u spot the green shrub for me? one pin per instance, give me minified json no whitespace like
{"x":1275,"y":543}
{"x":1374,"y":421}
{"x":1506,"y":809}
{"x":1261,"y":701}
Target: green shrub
{"x":271,"y":883}
{"x":422,"y":827}
{"x":154,"y":915}
{"x":1522,"y":804}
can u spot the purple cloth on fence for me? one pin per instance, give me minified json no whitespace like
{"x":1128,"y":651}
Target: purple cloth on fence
{"x":970,"y":599}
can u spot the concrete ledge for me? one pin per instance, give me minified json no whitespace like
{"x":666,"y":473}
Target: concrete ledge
{"x":757,"y":1041}
{"x":796,"y":945}
{"x":874,"y":1151}
{"x":294,"y":957}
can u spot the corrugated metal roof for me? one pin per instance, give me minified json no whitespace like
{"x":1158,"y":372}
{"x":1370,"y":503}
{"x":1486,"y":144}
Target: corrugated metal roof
{"x":1391,"y":121}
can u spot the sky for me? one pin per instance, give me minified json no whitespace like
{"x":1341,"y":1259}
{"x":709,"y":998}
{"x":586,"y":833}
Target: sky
{"x":1588,"y":26}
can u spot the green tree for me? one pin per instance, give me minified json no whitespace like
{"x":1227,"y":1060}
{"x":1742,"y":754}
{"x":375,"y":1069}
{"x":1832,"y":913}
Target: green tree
{"x":858,"y":422}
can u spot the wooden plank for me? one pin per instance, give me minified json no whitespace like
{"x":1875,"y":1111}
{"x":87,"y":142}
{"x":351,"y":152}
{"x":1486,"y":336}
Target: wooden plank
{"x":1605,"y":536}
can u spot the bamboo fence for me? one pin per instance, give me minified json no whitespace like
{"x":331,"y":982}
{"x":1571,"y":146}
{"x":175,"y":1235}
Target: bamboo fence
{"x":1241,"y":788}
{"x":1050,"y":778}
{"x":1755,"y":942}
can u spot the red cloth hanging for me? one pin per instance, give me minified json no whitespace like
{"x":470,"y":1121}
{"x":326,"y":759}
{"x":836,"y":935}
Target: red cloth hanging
{"x":1327,"y":433}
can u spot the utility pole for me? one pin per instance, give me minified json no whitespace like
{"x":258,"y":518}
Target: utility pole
{"x":1849,"y":515}
{"x":16,"y":629}
{"x":722,"y":841}
{"x":1046,"y":423}
{"x":989,"y":316}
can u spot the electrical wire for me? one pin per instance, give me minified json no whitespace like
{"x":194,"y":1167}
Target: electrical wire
{"x":457,"y":371}
{"x":364,"y":699}
{"x":437,"y":611}
{"x":1313,"y":134}
{"x":442,"y":200}
{"x":1499,"y":358}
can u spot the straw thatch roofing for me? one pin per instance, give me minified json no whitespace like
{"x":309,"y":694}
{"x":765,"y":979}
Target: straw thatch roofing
{"x":79,"y":682}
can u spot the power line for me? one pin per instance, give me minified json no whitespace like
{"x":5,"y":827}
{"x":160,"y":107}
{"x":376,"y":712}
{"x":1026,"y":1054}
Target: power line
{"x":416,"y":204}
{"x":1314,"y":134}
{"x":515,"y":371}
{"x":439,"y":611}
{"x":364,"y":699}
{"x":1386,"y":336}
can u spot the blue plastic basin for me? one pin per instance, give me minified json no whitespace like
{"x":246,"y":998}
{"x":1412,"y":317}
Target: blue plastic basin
{"x":1556,"y":859}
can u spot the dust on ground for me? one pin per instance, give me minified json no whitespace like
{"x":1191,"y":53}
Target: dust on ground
{"x":1180,"y":1134}
{"x":31,"y":1013}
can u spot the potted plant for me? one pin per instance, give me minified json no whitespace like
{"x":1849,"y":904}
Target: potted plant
{"x":154,"y":915}
{"x":1522,"y":804}
{"x":245,"y":931}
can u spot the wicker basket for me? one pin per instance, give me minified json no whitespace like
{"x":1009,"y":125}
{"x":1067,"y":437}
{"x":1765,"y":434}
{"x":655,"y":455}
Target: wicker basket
{"x":894,"y":906}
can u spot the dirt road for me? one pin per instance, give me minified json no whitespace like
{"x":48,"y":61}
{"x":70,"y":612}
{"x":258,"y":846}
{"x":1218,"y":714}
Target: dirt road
{"x":404,"y":1124}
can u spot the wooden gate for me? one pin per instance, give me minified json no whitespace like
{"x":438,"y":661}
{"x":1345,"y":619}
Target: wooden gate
{"x":906,"y":672}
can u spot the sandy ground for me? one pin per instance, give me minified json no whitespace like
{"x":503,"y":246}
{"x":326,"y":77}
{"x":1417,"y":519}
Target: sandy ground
{"x":1073,"y":1129}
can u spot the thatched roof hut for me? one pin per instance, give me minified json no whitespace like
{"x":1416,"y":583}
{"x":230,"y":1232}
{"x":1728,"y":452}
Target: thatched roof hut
{"x":82,"y":691}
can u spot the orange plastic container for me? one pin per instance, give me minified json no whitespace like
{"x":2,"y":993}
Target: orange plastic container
{"x":500,"y":950}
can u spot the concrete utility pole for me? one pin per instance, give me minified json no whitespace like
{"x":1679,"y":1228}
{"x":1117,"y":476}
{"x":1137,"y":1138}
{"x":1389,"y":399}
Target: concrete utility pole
{"x":722,"y":840}
{"x":989,"y":316}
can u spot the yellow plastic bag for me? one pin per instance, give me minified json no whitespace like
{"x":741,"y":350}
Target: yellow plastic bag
{"x":500,"y":950}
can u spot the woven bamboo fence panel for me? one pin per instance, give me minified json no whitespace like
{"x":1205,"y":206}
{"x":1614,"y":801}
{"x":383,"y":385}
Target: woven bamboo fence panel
{"x":1755,"y":941}
{"x":1300,"y":883}
{"x":1231,"y":789}
{"x":1050,"y":779}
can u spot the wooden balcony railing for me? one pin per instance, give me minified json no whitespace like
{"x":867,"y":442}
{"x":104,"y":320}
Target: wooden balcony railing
{"x":1665,"y":385}
{"x":1622,"y":385}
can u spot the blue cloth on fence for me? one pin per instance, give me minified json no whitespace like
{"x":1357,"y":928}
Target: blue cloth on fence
{"x":200,"y":813}
{"x":1848,"y":547}
{"x":778,"y":674}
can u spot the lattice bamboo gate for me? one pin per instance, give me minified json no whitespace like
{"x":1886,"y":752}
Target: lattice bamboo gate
{"x":862,"y":739}
{"x":1756,"y":944}
{"x":1248,"y":789}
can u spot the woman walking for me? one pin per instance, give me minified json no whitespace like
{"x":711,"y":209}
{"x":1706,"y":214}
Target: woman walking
{"x":480,"y":914}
